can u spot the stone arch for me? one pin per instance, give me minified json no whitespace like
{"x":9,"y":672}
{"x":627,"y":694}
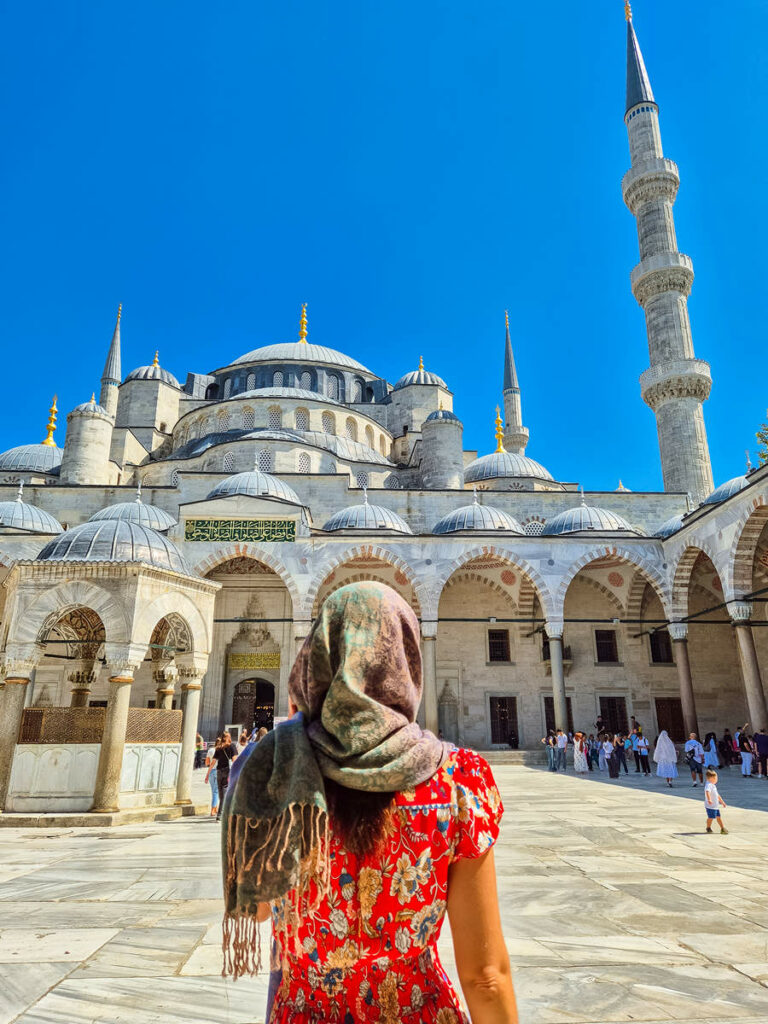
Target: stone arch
{"x":741,"y":558}
{"x":476,"y":577}
{"x":372,"y":551}
{"x":174,"y":603}
{"x":228,"y":552}
{"x":643,"y":565}
{"x":534,"y":582}
{"x":680,"y":574}
{"x":43,"y":613}
{"x":607,"y":593}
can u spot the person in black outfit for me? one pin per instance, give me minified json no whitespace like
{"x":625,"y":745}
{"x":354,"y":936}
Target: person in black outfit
{"x":619,"y":754}
{"x":761,"y":742}
{"x":224,"y":756}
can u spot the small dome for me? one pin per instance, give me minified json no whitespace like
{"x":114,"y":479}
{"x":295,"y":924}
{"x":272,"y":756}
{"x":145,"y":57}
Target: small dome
{"x":300,"y":352}
{"x":92,"y":407}
{"x":367,"y":517}
{"x":442,"y":414}
{"x":154,"y":372}
{"x":477,"y":517}
{"x":32,"y":458}
{"x":504,"y":464}
{"x":257,"y":485}
{"x":420,"y":376}
{"x":136,"y":512}
{"x":113,"y":540}
{"x":18,"y":515}
{"x":726,"y":490}
{"x":586,"y":517}
{"x":671,"y":526}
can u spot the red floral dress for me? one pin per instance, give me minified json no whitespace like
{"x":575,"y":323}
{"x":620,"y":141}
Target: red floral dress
{"x":368,"y":953}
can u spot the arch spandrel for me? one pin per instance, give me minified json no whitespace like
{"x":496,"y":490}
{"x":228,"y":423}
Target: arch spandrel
{"x":33,"y":619}
{"x":652,"y":574}
{"x":232,"y":552}
{"x":370,"y":552}
{"x":532,"y":584}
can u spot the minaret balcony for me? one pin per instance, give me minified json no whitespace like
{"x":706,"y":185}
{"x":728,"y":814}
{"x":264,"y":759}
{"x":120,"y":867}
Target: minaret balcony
{"x":662,"y":272}
{"x":657,"y":178}
{"x":676,"y":378}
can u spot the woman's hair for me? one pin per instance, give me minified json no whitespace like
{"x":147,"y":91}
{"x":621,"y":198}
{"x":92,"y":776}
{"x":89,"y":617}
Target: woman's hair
{"x":261,"y":733}
{"x":218,"y":742}
{"x":359,"y":820}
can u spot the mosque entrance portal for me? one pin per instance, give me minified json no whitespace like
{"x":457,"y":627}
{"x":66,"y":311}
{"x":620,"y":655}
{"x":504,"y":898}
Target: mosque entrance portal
{"x":254,"y":704}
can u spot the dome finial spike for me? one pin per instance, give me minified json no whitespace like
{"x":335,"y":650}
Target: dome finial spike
{"x":499,"y":432}
{"x":365,"y":494}
{"x":474,"y":494}
{"x":628,"y":11}
{"x":93,"y":398}
{"x":581,"y":497}
{"x":749,"y":460}
{"x":421,"y":364}
{"x":506,"y":318}
{"x":138,"y":492}
{"x":49,"y":442}
{"x":156,"y":360}
{"x":20,"y":494}
{"x":303,"y":324}
{"x":119,"y":312}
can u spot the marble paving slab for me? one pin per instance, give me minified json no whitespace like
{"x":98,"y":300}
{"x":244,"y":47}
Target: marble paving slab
{"x":60,"y":945}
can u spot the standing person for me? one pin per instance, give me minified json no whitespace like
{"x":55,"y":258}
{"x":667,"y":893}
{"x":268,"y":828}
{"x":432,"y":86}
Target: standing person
{"x":760,"y":740}
{"x":711,"y":756}
{"x":644,"y":751}
{"x":210,"y":776}
{"x":635,"y":739}
{"x":621,"y":757}
{"x":665,"y":756}
{"x":561,"y":744}
{"x":601,"y":761}
{"x":224,"y":755}
{"x":549,"y":744}
{"x":580,"y":765}
{"x":694,"y":755}
{"x":599,"y":726}
{"x":199,"y":751}
{"x":609,"y":752}
{"x":713,"y":802}
{"x":357,"y":830}
{"x":591,"y":752}
{"x":745,"y":749}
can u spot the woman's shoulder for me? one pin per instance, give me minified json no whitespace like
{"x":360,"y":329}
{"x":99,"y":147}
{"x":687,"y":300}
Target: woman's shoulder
{"x":462,"y":770}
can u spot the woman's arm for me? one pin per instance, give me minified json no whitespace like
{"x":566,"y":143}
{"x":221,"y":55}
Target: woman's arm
{"x":481,"y":955}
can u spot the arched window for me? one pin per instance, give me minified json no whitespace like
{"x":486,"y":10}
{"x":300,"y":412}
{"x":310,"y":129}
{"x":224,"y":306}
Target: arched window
{"x":332,"y":386}
{"x":274,"y":417}
{"x":392,"y":483}
{"x":249,"y":419}
{"x":534,"y":528}
{"x":229,"y":463}
{"x":303,"y":463}
{"x":350,"y":429}
{"x":223,"y":421}
{"x":250,"y":382}
{"x":175,"y":478}
{"x":264,"y":460}
{"x":357,"y":391}
{"x":227,"y":387}
{"x":305,"y":380}
{"x":369,"y":436}
{"x":362,"y":479}
{"x":329,"y":423}
{"x":277,"y":379}
{"x":302,"y":419}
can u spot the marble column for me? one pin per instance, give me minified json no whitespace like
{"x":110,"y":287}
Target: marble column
{"x":554,"y":631}
{"x":165,"y":680}
{"x":121,"y":666}
{"x":679,"y":633}
{"x":82,"y":675}
{"x":191,"y":688}
{"x":18,"y":672}
{"x":429,"y":659}
{"x":741,"y":613}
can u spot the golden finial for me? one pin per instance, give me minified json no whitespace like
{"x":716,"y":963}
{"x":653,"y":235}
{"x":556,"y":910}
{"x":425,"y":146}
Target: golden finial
{"x":156,"y":360}
{"x":49,"y":442}
{"x":93,"y":398}
{"x":303,"y":324}
{"x":499,"y":432}
{"x":506,"y":318}
{"x":119,"y":312}
{"x":421,"y":363}
{"x":628,"y":11}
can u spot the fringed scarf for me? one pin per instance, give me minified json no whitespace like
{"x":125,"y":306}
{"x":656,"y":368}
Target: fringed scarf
{"x":357,"y":683}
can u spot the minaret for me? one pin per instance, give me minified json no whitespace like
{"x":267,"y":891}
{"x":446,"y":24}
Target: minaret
{"x":515,"y":434}
{"x":110,"y":379}
{"x":677,"y":383}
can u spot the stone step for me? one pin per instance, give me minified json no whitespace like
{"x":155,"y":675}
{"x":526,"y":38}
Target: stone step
{"x":86,"y":819}
{"x":530,"y":758}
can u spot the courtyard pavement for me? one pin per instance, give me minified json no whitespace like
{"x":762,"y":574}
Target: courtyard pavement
{"x":616,"y":907}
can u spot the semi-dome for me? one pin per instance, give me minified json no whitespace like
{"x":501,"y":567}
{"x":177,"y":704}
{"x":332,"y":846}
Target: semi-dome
{"x":32,"y":458}
{"x":18,"y":515}
{"x":114,"y":540}
{"x":91,"y":407}
{"x":670,"y":526}
{"x":586,"y":517}
{"x":420,"y":376}
{"x":299,"y":352}
{"x":442,"y":414}
{"x":726,"y":490}
{"x":257,"y":485}
{"x":477,"y":517}
{"x":504,"y":464}
{"x":154,"y":372}
{"x":367,"y":517}
{"x":136,"y":511}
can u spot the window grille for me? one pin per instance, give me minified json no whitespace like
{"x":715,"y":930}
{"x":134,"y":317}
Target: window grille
{"x":351,"y":429}
{"x":606,"y":647}
{"x":227,"y":387}
{"x":175,"y":478}
{"x":277,"y":379}
{"x":362,"y":479}
{"x":498,"y":645}
{"x":332,"y":386}
{"x":250,"y":382}
{"x":534,"y":528}
{"x":369,"y":437}
{"x":229,"y":463}
{"x":249,"y":419}
{"x":265,"y":460}
{"x":305,"y":381}
{"x":224,"y":420}
{"x":302,"y":419}
{"x":304,"y":464}
{"x":274,"y":417}
{"x":329,"y":423}
{"x":504,"y":721}
{"x":357,"y":391}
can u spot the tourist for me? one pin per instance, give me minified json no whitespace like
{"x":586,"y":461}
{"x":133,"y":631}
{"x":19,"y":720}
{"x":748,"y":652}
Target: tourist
{"x":599,"y":726}
{"x":601,"y":761}
{"x":665,"y":756}
{"x":711,"y":755}
{"x":634,"y":724}
{"x":199,"y":751}
{"x":609,"y":753}
{"x":760,"y":740}
{"x":210,"y":776}
{"x":635,"y":740}
{"x":619,"y":754}
{"x":694,"y":757}
{"x":713,"y":802}
{"x":224,"y":755}
{"x":549,"y":744}
{"x":580,"y":765}
{"x":592,"y":752}
{"x":745,"y":749}
{"x":377,"y":828}
{"x":561,"y":746}
{"x":643,"y":749}
{"x":262,"y":732}
{"x":242,"y":742}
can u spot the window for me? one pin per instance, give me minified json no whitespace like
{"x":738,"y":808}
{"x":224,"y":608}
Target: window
{"x":669,"y":716}
{"x":229,"y":463}
{"x":661,"y":647}
{"x":498,"y":645}
{"x":606,"y":649}
{"x":249,"y":419}
{"x":534,"y":528}
{"x":329,"y":423}
{"x":227,"y":387}
{"x":303,"y":463}
{"x":392,"y":483}
{"x":302,"y":419}
{"x":175,"y":478}
{"x":332,"y":387}
{"x":250,"y":382}
{"x":305,"y":381}
{"x":369,"y":436}
{"x":277,"y":379}
{"x":383,"y":445}
{"x":504,"y":721}
{"x":549,"y":714}
{"x":351,"y":429}
{"x":274,"y":417}
{"x":614,"y":713}
{"x":357,"y":391}
{"x":223,"y":423}
{"x":264,"y":460}
{"x":362,"y":479}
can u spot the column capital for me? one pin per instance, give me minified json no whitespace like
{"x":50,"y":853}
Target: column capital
{"x":678,"y":631}
{"x":429,"y":629}
{"x":554,"y":629}
{"x":740,"y":612}
{"x":83,"y":672}
{"x":191,"y":667}
{"x":20,"y":660}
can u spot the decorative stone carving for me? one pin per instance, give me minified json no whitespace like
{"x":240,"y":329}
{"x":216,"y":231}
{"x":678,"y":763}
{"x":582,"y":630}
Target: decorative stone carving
{"x":682,"y":378}
{"x":667,"y":279}
{"x":678,"y":630}
{"x":554,"y":629}
{"x":644,"y":188}
{"x":740,"y":611}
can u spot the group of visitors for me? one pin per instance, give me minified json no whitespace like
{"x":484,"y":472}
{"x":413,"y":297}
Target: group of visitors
{"x":601,"y":750}
{"x":219,"y":760}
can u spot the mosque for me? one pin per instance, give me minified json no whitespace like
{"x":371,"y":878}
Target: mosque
{"x":162,"y":567}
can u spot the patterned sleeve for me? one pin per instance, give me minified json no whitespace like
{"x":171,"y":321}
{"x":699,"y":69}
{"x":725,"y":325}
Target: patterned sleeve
{"x":478,"y":808}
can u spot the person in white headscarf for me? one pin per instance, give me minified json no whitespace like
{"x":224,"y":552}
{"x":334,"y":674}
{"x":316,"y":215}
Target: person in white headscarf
{"x":665,"y":756}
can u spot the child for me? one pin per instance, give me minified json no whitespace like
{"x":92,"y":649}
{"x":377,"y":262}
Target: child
{"x":713,"y":801}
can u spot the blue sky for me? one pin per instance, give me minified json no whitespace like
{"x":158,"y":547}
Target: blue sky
{"x":410,"y":171}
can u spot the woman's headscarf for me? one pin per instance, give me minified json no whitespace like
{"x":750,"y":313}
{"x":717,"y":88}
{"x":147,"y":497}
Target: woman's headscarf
{"x":357,"y":683}
{"x":665,"y":752}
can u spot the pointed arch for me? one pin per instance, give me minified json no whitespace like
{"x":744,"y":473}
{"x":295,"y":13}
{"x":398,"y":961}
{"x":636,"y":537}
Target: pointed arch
{"x":741,"y":559}
{"x":652,"y":573}
{"x":228,"y":552}
{"x":34,"y":620}
{"x":174,"y":603}
{"x":372,"y":551}
{"x":533,"y":584}
{"x":680,"y":574}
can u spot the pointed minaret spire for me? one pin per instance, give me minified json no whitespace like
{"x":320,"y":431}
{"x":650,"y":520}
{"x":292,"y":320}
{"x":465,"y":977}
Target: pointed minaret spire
{"x":515,"y":434}
{"x":110,"y":379}
{"x":303,"y":324}
{"x":500,"y":449}
{"x":49,"y":442}
{"x":638,"y":83}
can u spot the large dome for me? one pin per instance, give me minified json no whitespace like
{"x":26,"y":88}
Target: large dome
{"x":504,"y":464}
{"x":586,"y":517}
{"x":367,"y":517}
{"x":136,"y":512}
{"x":726,"y":490}
{"x":113,"y":540}
{"x":18,"y":515}
{"x":257,"y":485}
{"x":477,"y":517}
{"x":299,"y":352}
{"x":32,"y":458}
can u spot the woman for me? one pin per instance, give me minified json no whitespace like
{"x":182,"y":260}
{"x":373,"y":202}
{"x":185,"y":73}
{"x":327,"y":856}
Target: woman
{"x":210,"y":776}
{"x":549,"y":744}
{"x":361,"y":831}
{"x":580,"y":754}
{"x":745,"y":749}
{"x":711,"y":756}
{"x":665,"y":756}
{"x":609,"y":752}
